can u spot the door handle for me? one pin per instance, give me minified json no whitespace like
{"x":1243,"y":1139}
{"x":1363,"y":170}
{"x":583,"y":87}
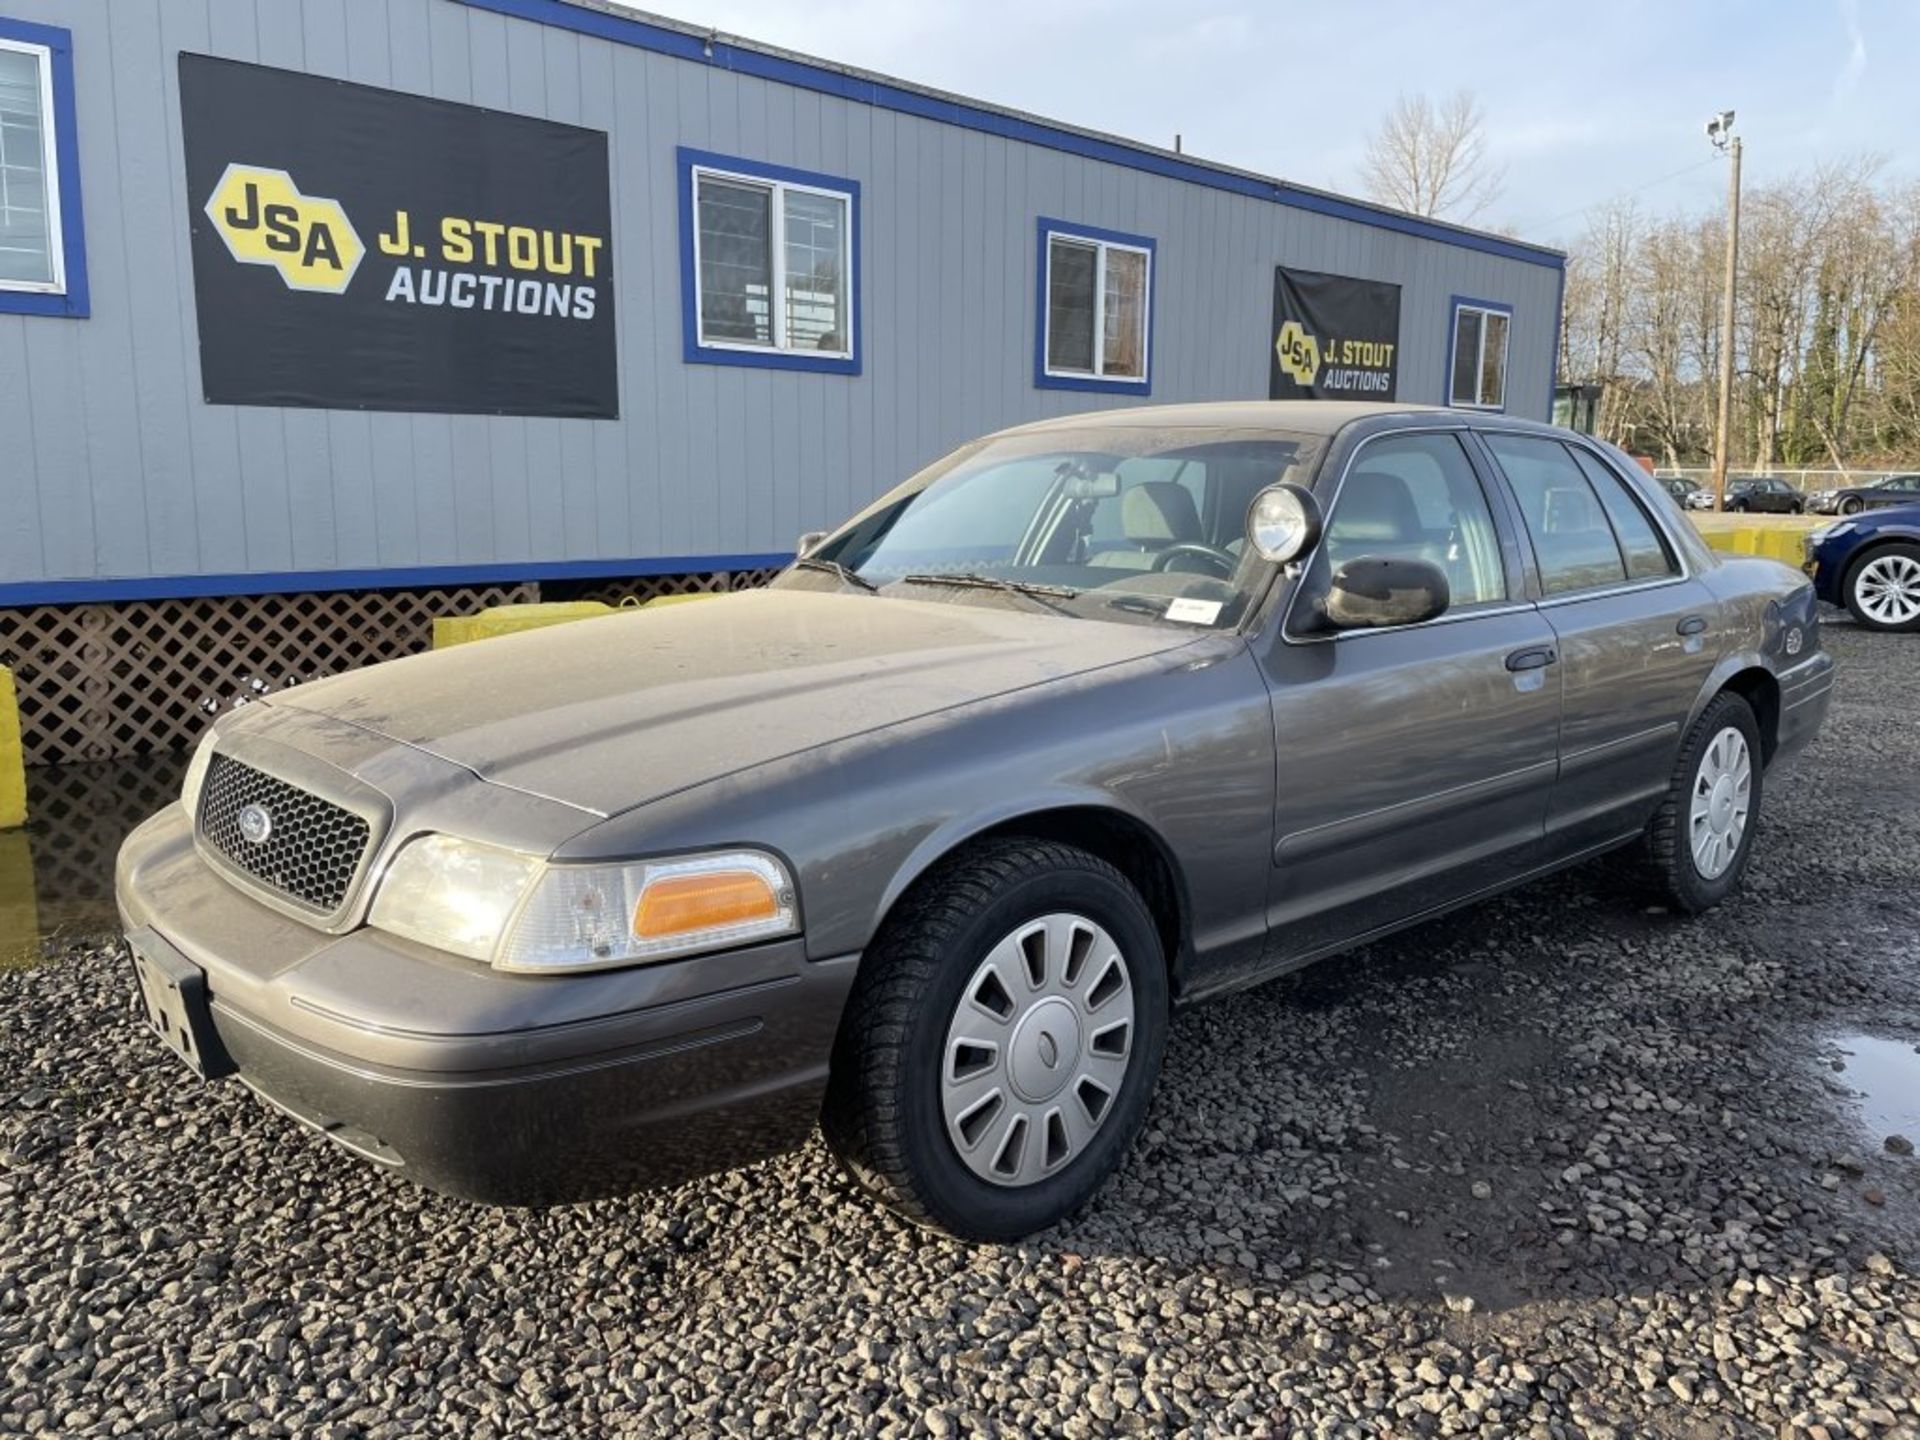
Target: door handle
{"x":1692,"y":625}
{"x":1536,"y":658}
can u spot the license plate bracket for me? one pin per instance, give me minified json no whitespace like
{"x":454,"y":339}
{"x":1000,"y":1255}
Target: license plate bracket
{"x":173,"y":996}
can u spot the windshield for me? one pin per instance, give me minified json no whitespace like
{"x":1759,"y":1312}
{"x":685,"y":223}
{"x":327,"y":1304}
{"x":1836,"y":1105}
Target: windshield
{"x":1108,"y":521}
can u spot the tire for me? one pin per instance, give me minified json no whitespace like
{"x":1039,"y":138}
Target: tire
{"x":895,"y":1107}
{"x":1882,"y":588}
{"x":1675,"y":864}
{"x":1737,"y":507}
{"x":1852,"y":505}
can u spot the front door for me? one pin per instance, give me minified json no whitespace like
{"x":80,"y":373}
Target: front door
{"x":1414,"y":763}
{"x":1635,"y":636}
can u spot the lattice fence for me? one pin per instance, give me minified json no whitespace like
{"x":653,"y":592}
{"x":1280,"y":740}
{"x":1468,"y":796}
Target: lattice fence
{"x":97,"y":682}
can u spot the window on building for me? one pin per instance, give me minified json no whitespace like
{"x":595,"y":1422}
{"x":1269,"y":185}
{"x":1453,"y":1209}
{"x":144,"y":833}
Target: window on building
{"x":32,"y":246}
{"x":770,"y":260}
{"x":1479,"y":368}
{"x":1096,"y":309}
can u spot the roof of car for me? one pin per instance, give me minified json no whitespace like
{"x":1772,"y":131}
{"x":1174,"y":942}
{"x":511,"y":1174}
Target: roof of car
{"x":1313,"y":417}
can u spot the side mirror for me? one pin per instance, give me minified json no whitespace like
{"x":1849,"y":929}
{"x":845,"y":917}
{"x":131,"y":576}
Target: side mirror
{"x":1283,"y":522}
{"x":1374,"y":591}
{"x":808,"y":543}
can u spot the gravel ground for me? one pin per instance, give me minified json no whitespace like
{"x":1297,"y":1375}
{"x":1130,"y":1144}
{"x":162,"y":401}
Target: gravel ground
{"x":1559,"y":1165}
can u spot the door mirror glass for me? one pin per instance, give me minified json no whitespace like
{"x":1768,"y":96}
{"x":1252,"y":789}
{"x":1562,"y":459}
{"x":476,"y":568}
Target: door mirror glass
{"x":1283,"y":523}
{"x":808,"y":543}
{"x":1377,"y":590}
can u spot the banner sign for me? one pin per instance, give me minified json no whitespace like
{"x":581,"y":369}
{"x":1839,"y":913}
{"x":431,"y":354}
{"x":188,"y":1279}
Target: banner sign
{"x":1335,"y":338}
{"x":357,"y":248}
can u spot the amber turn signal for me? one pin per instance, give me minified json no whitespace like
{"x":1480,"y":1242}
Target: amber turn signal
{"x":677,"y":904}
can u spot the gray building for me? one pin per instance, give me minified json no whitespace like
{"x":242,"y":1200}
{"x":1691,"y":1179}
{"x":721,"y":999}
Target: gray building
{"x":728,"y":296}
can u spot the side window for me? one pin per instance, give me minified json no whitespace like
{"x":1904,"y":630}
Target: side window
{"x":1646,"y":553}
{"x":1415,"y":497}
{"x":1572,"y":538}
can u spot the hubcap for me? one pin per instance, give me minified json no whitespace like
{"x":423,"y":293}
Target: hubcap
{"x":1722,"y":798}
{"x":1888,"y":589}
{"x":1037,"y":1049}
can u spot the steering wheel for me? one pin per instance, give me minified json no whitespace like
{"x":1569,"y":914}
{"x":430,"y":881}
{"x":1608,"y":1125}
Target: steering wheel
{"x":1213,"y":555}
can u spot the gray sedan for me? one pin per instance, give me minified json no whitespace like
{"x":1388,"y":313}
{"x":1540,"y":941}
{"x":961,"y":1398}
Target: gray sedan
{"x":1091,"y":718}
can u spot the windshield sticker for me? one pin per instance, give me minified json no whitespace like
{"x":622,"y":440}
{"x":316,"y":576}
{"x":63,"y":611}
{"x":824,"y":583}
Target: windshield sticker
{"x":1194,"y":612}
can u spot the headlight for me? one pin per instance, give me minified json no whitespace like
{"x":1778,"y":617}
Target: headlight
{"x":453,"y":894}
{"x":520,"y":913}
{"x":196,"y":775}
{"x":1827,"y":532}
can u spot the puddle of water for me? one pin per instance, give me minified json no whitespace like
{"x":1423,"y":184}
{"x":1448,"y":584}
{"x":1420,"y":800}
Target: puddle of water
{"x":56,"y":875}
{"x":1885,"y":1075}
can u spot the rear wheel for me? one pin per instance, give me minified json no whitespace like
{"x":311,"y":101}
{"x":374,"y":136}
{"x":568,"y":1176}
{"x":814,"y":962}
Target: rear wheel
{"x":1699,"y":841}
{"x":1883,"y":588}
{"x":1001,"y":1042}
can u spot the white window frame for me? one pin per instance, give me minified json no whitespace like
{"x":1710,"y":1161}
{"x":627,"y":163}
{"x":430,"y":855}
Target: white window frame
{"x":1482,"y":309}
{"x":50,"y":164}
{"x":776,"y":300}
{"x":1099,"y":372}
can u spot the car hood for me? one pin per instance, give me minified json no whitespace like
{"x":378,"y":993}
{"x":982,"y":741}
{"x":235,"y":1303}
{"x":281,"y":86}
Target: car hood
{"x":609,"y":713}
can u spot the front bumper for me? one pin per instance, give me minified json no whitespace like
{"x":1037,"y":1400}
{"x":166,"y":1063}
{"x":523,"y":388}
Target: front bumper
{"x":499,"y":1088}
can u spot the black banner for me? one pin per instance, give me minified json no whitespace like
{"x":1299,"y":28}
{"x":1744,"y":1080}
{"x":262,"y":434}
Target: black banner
{"x":356,"y":248}
{"x":1334,"y":337}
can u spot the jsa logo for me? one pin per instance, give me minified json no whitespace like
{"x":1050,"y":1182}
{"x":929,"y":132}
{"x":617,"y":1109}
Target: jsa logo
{"x":1299,"y":352}
{"x":265,"y":220}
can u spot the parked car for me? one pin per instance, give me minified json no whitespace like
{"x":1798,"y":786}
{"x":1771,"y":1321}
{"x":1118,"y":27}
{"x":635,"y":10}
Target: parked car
{"x":1090,"y":718}
{"x":1683,"y":490}
{"x":1871,"y":565}
{"x":1764,"y":495}
{"x":1852,"y":499}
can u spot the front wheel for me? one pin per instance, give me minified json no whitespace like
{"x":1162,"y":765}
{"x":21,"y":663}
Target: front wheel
{"x":1852,"y":505}
{"x":1699,"y":841}
{"x":1883,"y":589}
{"x":1001,"y":1041}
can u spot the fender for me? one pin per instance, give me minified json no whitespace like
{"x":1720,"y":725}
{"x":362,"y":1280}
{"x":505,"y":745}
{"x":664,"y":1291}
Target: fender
{"x":1729,"y":666}
{"x":950,"y":836}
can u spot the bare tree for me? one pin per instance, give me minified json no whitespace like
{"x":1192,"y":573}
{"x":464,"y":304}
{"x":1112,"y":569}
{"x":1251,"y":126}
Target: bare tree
{"x":1432,"y":159}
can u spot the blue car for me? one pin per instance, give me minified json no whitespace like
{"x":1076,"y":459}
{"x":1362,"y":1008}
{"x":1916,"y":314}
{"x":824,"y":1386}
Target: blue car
{"x":1870,"y":563}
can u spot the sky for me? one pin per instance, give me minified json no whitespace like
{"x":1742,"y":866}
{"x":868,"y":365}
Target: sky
{"x":1583,"y":104}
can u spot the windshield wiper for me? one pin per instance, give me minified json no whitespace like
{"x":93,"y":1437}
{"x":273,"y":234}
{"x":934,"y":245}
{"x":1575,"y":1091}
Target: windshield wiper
{"x":834,"y":567}
{"x":1032,"y":589}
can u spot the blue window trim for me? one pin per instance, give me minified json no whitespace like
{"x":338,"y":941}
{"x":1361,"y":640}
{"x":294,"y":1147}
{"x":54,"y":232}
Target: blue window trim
{"x":282,"y":582}
{"x":1498,"y":307}
{"x":692,"y":350}
{"x":74,"y":303}
{"x":1048,"y":227}
{"x":703,"y":49}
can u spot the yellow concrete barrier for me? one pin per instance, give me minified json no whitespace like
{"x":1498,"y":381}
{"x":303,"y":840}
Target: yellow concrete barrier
{"x":13,"y":773}
{"x":19,"y":909}
{"x":1779,"y":537}
{"x":511,"y":619}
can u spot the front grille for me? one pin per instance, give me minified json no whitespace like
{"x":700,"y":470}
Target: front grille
{"x":312,"y":847}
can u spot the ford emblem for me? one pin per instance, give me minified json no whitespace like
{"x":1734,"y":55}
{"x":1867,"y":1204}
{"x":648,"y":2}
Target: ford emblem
{"x":255,"y":824}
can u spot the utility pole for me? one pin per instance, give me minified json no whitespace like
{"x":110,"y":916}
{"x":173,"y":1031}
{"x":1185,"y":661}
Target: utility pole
{"x":1720,"y":132}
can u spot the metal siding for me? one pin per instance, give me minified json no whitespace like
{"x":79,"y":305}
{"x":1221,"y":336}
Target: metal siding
{"x":116,"y":467}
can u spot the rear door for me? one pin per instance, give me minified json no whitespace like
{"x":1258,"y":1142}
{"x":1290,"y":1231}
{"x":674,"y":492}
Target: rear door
{"x":1414,"y":763}
{"x":1635,"y":631}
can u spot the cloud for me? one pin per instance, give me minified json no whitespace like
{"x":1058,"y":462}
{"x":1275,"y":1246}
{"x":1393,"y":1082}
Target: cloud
{"x":1856,"y":64}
